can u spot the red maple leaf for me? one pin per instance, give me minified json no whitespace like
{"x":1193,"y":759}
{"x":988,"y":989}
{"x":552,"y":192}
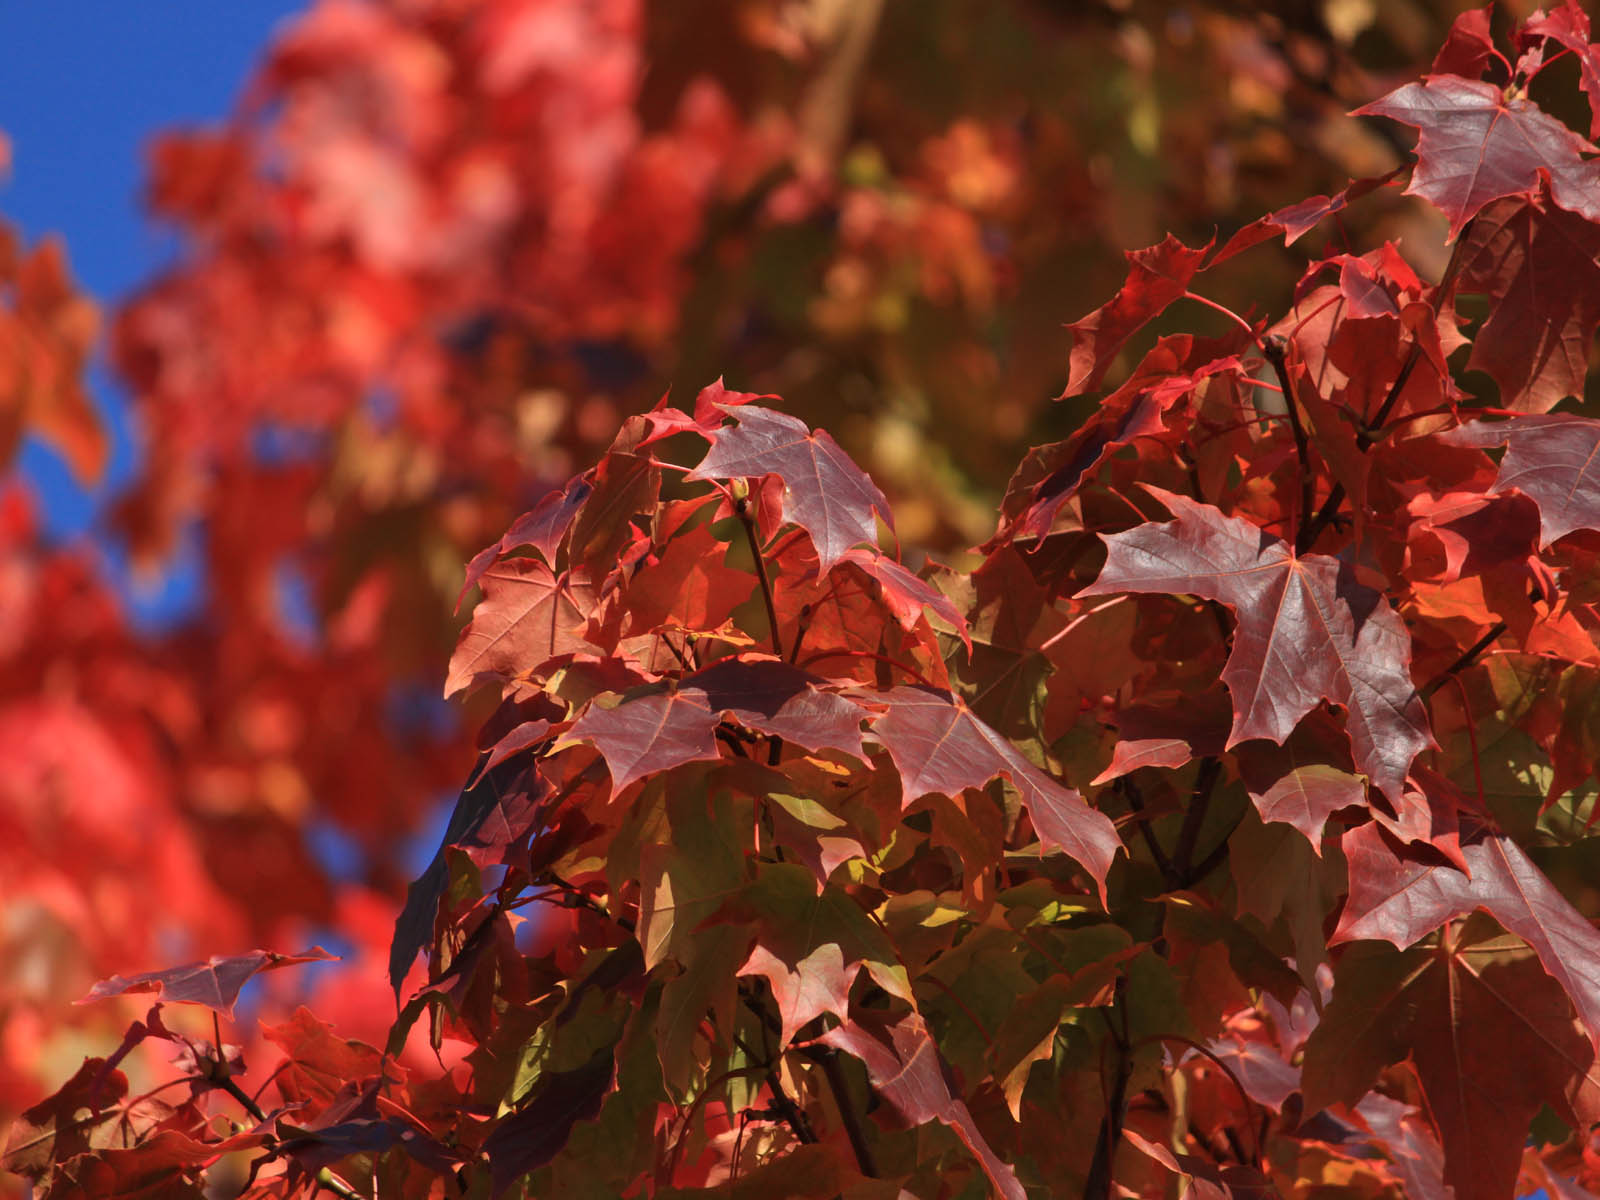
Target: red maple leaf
{"x":824,"y":492}
{"x":1476,"y":147}
{"x":1553,"y":459}
{"x":1307,"y":631}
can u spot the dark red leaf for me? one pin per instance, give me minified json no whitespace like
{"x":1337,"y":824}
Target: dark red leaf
{"x":1468,"y":46}
{"x":543,"y":528}
{"x":1553,"y":459}
{"x":1568,"y":26}
{"x":1297,"y":220}
{"x":1157,"y":275}
{"x":1540,"y":265}
{"x":527,"y":616}
{"x":658,"y":730}
{"x":1307,"y":631}
{"x":1400,"y":897}
{"x":214,"y":983}
{"x":534,"y":1135}
{"x":938,"y":745}
{"x":824,"y":493}
{"x":906,"y":594}
{"x":906,"y":1070}
{"x":1477,"y":147}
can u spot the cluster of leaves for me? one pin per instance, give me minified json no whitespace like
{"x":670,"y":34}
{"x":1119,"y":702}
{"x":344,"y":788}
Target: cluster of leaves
{"x":1222,"y":818}
{"x":441,"y":248}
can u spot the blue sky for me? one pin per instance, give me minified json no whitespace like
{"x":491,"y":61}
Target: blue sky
{"x":83,"y":86}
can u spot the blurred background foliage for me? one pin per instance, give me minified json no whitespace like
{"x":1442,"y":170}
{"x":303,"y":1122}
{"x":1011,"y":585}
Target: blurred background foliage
{"x":439,"y":251}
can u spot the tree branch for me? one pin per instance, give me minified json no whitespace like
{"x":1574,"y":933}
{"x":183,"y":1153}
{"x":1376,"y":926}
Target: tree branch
{"x":1195,"y":816}
{"x":1276,"y":349}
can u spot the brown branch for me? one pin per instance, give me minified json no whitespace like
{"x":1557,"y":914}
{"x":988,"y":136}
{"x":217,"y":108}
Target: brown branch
{"x":1468,"y":657}
{"x":1102,"y":1168}
{"x":1367,"y":436}
{"x":1276,"y":349}
{"x":1130,"y":790}
{"x":1195,"y":816}
{"x":741,"y":506}
{"x":847,"y":1114}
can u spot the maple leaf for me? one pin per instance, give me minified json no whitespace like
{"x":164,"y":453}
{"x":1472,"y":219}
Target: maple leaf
{"x":824,"y":492}
{"x":1164,"y":379}
{"x":534,"y":1134}
{"x":1307,"y":631}
{"x":214,"y":983}
{"x":1294,"y":221}
{"x":320,"y":1063}
{"x":528,"y":615}
{"x":938,"y":745}
{"x":493,"y":787}
{"x":1401,"y":899}
{"x":656,"y":729}
{"x":1568,"y":26}
{"x":906,"y":594}
{"x":905,"y":1068}
{"x":1541,"y":267}
{"x":542,"y":528}
{"x":710,"y":411}
{"x":687,"y":587}
{"x":57,"y":1127}
{"x":1552,"y":458}
{"x":1166,"y":734}
{"x":1476,"y":146}
{"x":1468,"y":46}
{"x":1296,"y":783}
{"x":1491,"y":1035}
{"x":1157,"y":276}
{"x":810,"y":945}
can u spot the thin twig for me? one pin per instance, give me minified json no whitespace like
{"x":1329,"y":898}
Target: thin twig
{"x":1368,"y":435}
{"x":1130,"y":790}
{"x":1276,"y":349}
{"x":1102,"y":1168}
{"x":1468,"y":657}
{"x":741,"y":506}
{"x":1195,"y":816}
{"x":847,"y":1114}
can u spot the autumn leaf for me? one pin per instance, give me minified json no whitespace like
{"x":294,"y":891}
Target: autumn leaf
{"x":824,"y":493}
{"x":938,"y":745}
{"x":1157,"y":276}
{"x":1540,"y":265}
{"x":1401,"y":898}
{"x":1294,"y":221}
{"x":1552,"y":458}
{"x":810,"y":945}
{"x":1568,"y":26}
{"x":528,"y":615}
{"x":657,"y":729}
{"x":1491,"y":1035}
{"x":1476,"y":147}
{"x":1468,"y":46}
{"x":543,"y":528}
{"x":906,"y":595}
{"x":903,"y":1063}
{"x":214,"y":983}
{"x":1307,"y":630}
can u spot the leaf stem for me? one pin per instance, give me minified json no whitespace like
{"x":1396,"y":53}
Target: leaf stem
{"x":1468,"y":657}
{"x":1225,"y":311}
{"x":1276,"y":349}
{"x":840,"y":1087}
{"x":1130,"y":790}
{"x":741,"y":506}
{"x":1367,"y":436}
{"x":1195,"y":817}
{"x":1101,"y":1169}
